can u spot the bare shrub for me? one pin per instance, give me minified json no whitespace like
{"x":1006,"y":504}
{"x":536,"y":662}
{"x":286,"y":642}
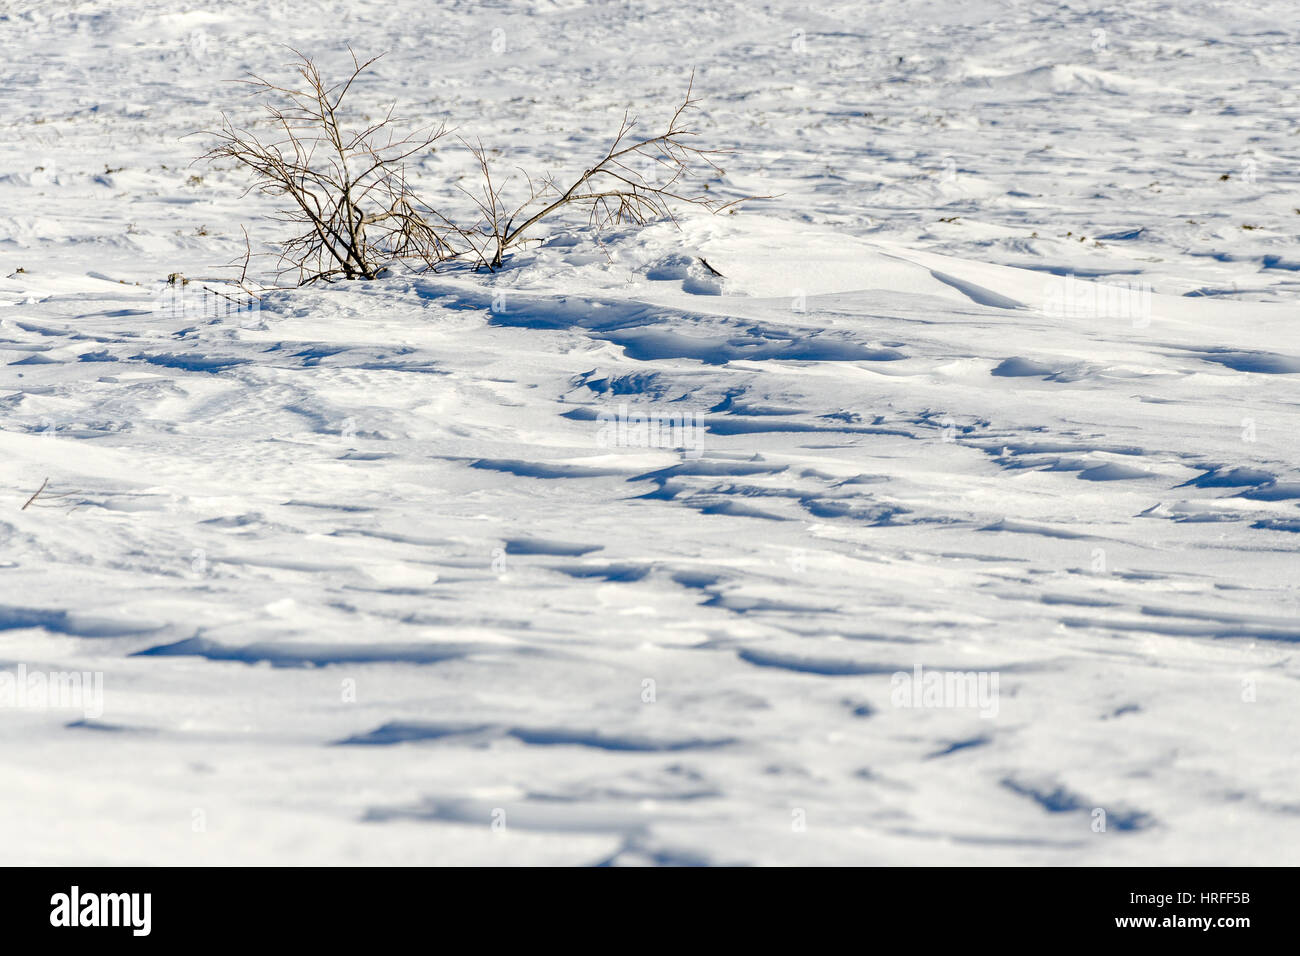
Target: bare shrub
{"x":356,"y":212}
{"x":349,"y":198}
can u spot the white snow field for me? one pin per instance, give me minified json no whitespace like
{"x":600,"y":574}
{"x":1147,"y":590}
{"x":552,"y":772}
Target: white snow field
{"x":1004,"y":382}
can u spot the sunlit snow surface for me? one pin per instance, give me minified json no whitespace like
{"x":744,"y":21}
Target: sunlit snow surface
{"x":366,"y":584}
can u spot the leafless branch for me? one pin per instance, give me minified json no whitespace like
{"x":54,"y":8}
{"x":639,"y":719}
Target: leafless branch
{"x":619,"y":188}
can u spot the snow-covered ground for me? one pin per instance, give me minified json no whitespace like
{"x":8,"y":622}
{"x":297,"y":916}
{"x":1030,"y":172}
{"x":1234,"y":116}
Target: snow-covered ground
{"x":1004,"y":382}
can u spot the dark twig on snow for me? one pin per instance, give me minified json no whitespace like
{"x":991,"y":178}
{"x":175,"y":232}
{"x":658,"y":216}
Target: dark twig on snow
{"x":37,"y":495}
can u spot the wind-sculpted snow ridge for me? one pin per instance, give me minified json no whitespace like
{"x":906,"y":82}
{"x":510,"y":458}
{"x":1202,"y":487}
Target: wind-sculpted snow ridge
{"x":826,"y":533}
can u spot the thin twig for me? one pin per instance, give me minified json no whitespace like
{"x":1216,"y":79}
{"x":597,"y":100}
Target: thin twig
{"x":37,"y":495}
